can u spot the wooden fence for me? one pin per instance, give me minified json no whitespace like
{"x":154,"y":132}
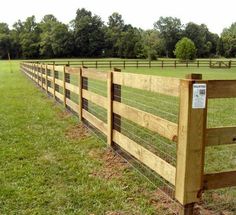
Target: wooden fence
{"x":190,"y":133}
{"x":168,"y":63}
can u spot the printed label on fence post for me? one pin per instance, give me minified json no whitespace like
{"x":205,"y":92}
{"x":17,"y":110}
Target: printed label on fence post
{"x":199,"y":96}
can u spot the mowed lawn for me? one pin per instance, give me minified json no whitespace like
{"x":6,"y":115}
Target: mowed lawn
{"x":49,"y":164}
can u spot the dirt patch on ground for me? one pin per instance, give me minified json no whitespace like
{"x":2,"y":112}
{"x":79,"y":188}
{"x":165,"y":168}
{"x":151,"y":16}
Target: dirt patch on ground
{"x":162,"y":201}
{"x":77,"y":132}
{"x":111,"y":213}
{"x":114,"y":165}
{"x":64,"y":114}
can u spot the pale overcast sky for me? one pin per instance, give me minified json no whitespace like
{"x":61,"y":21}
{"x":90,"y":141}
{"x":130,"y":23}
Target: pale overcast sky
{"x":215,"y":14}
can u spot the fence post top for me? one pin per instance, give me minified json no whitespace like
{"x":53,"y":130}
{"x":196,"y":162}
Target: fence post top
{"x":195,"y":76}
{"x":116,"y":70}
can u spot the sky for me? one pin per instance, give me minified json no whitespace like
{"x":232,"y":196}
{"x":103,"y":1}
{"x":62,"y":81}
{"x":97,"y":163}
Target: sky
{"x":215,"y":14}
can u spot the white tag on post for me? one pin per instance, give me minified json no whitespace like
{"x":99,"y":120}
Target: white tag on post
{"x":199,"y":96}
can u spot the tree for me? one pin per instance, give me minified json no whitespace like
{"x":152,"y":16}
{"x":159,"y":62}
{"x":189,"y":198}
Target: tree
{"x":170,"y":31}
{"x":185,"y":49}
{"x":62,"y":45}
{"x":153,"y":44}
{"x":114,"y":32}
{"x":128,"y":43}
{"x":205,"y":41}
{"x":55,"y":38}
{"x":29,"y":37}
{"x":5,"y":44}
{"x":228,"y":37}
{"x":88,"y":34}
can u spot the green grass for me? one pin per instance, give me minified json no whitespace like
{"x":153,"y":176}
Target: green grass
{"x":43,"y":171}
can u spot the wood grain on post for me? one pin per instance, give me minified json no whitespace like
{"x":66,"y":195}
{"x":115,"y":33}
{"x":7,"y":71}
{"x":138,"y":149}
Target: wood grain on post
{"x":46,"y":77}
{"x":117,"y":98}
{"x":191,"y":147}
{"x":53,"y":81}
{"x":56,"y":76}
{"x":64,"y":86}
{"x":84,"y":85}
{"x":67,"y":80}
{"x":41,"y":70}
{"x":37,"y":66}
{"x":109,"y":108}
{"x":80,"y":85}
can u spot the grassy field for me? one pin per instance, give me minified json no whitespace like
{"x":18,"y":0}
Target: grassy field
{"x":66,"y":174}
{"x":46,"y":167}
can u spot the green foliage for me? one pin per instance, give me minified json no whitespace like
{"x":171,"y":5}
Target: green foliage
{"x":29,"y":38}
{"x":170,"y":31}
{"x":88,"y":36}
{"x":185,"y":49}
{"x":205,"y":41}
{"x":229,"y":40}
{"x":55,"y":38}
{"x":153,"y":44}
{"x":5,"y":44}
{"x":88,"y":32}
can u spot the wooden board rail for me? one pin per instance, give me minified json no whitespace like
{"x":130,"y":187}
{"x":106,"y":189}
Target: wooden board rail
{"x":220,"y":136}
{"x":162,"y":85}
{"x":93,"y":74}
{"x":219,"y":180}
{"x":95,"y":98}
{"x":221,"y":89}
{"x":99,"y":124}
{"x":154,"y":123}
{"x":143,"y":63}
{"x":190,"y":133}
{"x":157,"y":164}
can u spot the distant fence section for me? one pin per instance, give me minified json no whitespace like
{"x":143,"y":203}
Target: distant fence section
{"x":189,"y":133}
{"x":214,"y":63}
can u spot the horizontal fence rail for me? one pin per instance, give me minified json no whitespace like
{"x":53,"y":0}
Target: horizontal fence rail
{"x":213,"y":63}
{"x":71,"y":86}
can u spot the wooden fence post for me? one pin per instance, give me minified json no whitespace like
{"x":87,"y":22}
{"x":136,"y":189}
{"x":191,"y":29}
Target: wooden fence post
{"x":53,"y":81}
{"x":37,"y":72}
{"x":41,"y":70}
{"x":84,"y":85}
{"x":80,"y":84}
{"x":67,"y":80}
{"x":116,"y":97}
{"x":64,"y":86}
{"x":46,"y":77}
{"x":191,"y":145}
{"x":56,"y":76}
{"x":109,"y":107}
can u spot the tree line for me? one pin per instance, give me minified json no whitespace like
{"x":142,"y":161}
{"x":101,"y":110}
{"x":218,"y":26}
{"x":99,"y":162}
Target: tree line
{"x":88,"y":36}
